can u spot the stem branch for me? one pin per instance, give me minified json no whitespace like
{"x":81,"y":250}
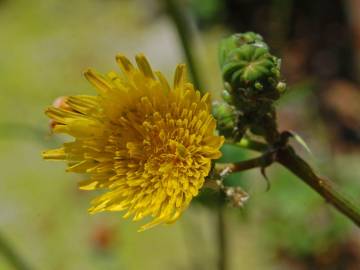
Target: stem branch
{"x":259,"y":162}
{"x":326,"y":188}
{"x":289,"y":159}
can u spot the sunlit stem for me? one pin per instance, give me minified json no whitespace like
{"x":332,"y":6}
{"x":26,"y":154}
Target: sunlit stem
{"x":10,"y":254}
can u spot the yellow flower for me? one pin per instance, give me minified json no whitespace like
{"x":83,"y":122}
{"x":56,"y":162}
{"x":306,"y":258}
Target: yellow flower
{"x":147,"y":144}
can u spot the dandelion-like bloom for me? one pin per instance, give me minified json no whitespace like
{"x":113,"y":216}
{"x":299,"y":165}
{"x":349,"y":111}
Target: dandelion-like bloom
{"x":147,"y":144}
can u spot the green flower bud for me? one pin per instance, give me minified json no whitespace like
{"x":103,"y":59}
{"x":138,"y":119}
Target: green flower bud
{"x":245,"y":59}
{"x":251,"y":70}
{"x":251,"y":74}
{"x":225,"y":116}
{"x":235,"y":41}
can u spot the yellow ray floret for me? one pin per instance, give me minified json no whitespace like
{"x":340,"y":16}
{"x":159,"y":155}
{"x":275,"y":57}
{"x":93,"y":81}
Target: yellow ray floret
{"x":149,"y":145}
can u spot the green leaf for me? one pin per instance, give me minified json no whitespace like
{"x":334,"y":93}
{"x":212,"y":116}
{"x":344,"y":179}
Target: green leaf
{"x":232,"y":153}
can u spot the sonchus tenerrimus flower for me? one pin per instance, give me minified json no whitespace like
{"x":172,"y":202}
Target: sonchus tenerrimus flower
{"x":149,"y":145}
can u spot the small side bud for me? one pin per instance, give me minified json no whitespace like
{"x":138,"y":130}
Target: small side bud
{"x":281,"y":87}
{"x":225,"y":116}
{"x":258,"y":86}
{"x":226,"y":96}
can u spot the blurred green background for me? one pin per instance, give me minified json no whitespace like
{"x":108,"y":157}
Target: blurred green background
{"x":46,"y":44}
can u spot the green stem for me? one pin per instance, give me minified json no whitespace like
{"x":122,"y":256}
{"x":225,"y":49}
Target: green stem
{"x":222,"y":243}
{"x":179,"y":16}
{"x":326,"y":188}
{"x":290,"y":160}
{"x":11,"y":255}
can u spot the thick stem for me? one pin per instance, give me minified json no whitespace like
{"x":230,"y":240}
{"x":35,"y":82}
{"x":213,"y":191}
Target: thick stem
{"x":222,"y":243}
{"x":8,"y":252}
{"x":327,"y":189}
{"x":180,"y":19}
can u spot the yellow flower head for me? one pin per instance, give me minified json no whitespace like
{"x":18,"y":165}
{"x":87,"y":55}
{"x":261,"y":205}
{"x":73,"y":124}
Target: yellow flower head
{"x":147,"y":144}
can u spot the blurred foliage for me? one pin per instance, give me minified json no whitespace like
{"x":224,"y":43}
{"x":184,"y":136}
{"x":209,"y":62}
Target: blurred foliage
{"x":45,"y":45}
{"x":295,"y":220}
{"x":207,"y":12}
